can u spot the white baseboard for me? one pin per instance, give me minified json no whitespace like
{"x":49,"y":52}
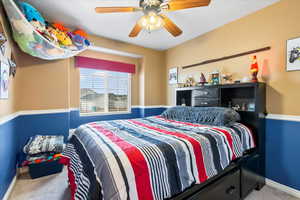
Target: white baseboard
{"x":283,"y":188}
{"x":10,"y":188}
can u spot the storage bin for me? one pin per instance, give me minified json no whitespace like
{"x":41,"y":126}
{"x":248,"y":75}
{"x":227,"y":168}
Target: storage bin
{"x":45,"y":169}
{"x":29,"y":40}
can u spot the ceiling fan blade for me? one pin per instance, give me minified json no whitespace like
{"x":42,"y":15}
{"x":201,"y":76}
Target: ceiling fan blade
{"x":116,"y":9}
{"x":171,"y":27}
{"x":135,"y":31}
{"x":205,"y":2}
{"x":185,"y":4}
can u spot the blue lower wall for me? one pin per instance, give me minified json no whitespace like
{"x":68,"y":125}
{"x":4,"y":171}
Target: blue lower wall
{"x":282,"y":141}
{"x":8,"y":154}
{"x":282,"y":152}
{"x":42,"y":124}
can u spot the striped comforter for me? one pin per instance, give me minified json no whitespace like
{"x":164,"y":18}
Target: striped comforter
{"x":149,"y":158}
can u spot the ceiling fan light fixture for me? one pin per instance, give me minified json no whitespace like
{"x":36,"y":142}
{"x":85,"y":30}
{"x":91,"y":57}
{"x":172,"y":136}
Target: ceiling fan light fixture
{"x":151,"y":22}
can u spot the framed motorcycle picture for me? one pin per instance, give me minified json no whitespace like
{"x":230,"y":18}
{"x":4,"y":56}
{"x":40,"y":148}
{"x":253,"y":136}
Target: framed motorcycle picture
{"x":293,"y":54}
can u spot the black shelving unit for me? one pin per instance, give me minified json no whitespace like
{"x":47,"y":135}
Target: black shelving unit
{"x":251,"y":166}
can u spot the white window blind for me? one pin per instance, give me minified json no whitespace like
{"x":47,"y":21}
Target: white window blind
{"x":104,"y":91}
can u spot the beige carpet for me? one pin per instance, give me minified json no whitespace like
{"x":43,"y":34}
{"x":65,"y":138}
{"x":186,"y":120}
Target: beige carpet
{"x":55,"y":187}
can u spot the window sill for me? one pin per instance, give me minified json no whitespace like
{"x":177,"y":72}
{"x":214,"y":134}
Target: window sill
{"x":104,"y":114}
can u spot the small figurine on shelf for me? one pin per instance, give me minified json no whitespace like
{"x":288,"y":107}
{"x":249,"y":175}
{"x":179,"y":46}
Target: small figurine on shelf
{"x":202,"y":79}
{"x":227,"y":78}
{"x":215,"y":78}
{"x":190,"y":82}
{"x":254,"y":69}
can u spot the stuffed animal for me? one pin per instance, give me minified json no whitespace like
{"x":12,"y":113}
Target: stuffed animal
{"x":63,"y":38}
{"x":60,"y":27}
{"x":61,"y":34}
{"x":80,"y":32}
{"x":50,"y":35}
{"x":31,"y":13}
{"x":59,"y":37}
{"x":79,"y":41}
{"x":39,"y":27}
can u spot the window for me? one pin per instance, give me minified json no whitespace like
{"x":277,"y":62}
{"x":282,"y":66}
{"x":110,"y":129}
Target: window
{"x":104,"y":91}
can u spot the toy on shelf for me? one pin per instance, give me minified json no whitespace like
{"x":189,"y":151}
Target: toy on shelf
{"x":227,"y":78}
{"x":254,"y":69}
{"x":35,"y":36}
{"x":202,"y":79}
{"x":215,"y":78}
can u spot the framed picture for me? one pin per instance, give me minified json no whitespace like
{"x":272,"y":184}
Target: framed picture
{"x":173,"y":75}
{"x":4,"y":80}
{"x":293,"y":54}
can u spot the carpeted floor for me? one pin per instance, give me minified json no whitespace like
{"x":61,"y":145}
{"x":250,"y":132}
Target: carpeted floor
{"x":55,"y":187}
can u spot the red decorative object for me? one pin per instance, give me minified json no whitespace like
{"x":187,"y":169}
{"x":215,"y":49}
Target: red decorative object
{"x":202,"y":79}
{"x":254,"y":69}
{"x":92,"y":63}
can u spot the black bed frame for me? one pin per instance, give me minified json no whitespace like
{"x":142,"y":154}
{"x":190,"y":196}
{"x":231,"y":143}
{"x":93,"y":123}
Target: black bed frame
{"x":248,"y":172}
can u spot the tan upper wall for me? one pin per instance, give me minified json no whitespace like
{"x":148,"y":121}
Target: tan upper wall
{"x":55,"y":84}
{"x":271,"y":26}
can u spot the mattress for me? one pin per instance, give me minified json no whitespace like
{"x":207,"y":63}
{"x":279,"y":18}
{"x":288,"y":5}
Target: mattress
{"x":149,"y":158}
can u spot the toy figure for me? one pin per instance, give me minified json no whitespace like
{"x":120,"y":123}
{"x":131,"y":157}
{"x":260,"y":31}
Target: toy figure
{"x":215,"y":78}
{"x":31,"y":13}
{"x":254,"y":69}
{"x":202,"y":79}
{"x":227,"y":78}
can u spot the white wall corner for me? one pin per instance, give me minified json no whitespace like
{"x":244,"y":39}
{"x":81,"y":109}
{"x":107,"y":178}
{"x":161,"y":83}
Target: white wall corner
{"x":283,"y":188}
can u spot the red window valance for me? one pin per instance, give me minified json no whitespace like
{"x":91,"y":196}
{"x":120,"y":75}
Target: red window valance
{"x":93,"y":63}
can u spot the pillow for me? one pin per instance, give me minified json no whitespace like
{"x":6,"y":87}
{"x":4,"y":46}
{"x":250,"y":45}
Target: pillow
{"x":44,"y":144}
{"x":216,"y":116}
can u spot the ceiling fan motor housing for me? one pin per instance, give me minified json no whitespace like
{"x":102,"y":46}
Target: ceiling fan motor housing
{"x":151,"y":6}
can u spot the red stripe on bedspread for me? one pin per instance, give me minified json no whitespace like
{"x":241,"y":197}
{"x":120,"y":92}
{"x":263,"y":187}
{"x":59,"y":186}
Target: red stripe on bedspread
{"x":66,"y":161}
{"x":225,"y":132}
{"x":229,"y":139}
{"x":137,"y":160}
{"x":196,"y":146}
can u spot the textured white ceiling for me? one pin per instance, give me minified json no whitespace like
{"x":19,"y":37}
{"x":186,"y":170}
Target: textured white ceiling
{"x":193,"y":22}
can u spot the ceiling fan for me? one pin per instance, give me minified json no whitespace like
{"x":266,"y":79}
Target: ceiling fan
{"x":154,"y":11}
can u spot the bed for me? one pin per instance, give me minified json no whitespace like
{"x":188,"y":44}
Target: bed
{"x":153,"y":158}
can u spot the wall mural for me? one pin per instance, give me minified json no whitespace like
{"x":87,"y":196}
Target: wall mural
{"x":7,"y":65}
